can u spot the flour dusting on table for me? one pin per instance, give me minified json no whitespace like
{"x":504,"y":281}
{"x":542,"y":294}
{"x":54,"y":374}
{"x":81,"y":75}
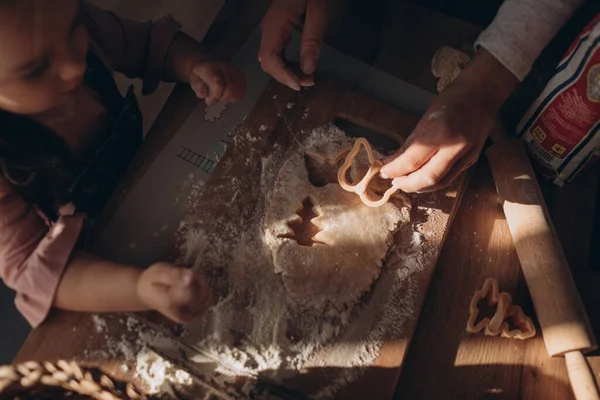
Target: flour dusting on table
{"x":131,"y":347}
{"x":255,"y":329}
{"x":132,"y":343}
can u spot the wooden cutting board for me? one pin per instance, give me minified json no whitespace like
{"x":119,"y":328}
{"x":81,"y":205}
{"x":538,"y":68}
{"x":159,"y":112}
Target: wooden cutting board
{"x":279,"y":121}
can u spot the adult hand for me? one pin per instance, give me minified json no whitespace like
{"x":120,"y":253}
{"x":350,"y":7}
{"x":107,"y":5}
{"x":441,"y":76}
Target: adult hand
{"x":277,"y":27}
{"x":452,"y":132}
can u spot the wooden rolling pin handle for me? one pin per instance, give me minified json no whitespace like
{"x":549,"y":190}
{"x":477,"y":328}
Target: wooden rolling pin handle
{"x":581,"y":377}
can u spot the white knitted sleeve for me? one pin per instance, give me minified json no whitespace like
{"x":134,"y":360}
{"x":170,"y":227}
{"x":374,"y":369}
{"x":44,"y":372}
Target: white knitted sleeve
{"x":521,"y":30}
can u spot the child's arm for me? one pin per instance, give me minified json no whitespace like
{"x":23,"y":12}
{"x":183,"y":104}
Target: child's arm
{"x":41,"y":266}
{"x":157,"y":50}
{"x":92,"y":284}
{"x":210,"y":78}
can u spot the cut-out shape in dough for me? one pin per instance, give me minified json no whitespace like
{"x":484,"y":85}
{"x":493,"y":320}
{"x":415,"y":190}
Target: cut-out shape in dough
{"x":322,"y":165}
{"x":361,"y":188}
{"x":348,"y":252}
{"x":304,"y":230}
{"x":508,"y":320}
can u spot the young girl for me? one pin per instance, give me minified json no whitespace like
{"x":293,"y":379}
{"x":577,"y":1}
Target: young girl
{"x":66,"y":137}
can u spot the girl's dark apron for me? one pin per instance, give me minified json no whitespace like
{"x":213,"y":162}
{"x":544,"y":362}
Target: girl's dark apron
{"x":48,"y":174}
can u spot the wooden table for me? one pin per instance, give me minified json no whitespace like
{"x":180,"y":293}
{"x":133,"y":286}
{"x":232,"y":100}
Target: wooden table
{"x":443,"y":361}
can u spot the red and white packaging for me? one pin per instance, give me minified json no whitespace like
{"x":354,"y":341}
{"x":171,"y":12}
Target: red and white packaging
{"x":562,"y":127}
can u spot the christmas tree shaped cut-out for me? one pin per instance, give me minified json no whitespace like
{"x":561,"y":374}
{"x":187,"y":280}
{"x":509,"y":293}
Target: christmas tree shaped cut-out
{"x":303,"y":229}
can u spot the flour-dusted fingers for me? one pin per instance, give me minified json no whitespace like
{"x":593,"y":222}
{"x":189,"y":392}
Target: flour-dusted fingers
{"x":455,"y":124}
{"x":432,"y":172}
{"x":218,"y":81}
{"x":277,"y":27}
{"x":313,"y":33}
{"x":409,"y":159}
{"x":178,"y":293}
{"x":458,"y":168}
{"x":216,"y":86}
{"x":211,"y":74}
{"x":275,"y":35}
{"x":303,"y":79}
{"x":273,"y":65}
{"x":190,"y":298}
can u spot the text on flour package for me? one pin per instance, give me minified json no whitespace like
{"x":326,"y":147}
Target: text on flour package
{"x":561,"y":128}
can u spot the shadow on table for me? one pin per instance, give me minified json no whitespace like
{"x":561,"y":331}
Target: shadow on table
{"x":13,"y":327}
{"x":494,"y":381}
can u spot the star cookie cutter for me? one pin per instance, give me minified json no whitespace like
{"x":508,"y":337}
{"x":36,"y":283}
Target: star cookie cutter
{"x":361,"y":188}
{"x":505,"y":312}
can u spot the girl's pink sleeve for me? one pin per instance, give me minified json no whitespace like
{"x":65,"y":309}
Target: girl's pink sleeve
{"x":32,"y":255}
{"x":137,"y":49}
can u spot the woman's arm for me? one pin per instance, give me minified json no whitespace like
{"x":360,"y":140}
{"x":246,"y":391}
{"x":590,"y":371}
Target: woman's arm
{"x":521,"y":30}
{"x":451,"y":134}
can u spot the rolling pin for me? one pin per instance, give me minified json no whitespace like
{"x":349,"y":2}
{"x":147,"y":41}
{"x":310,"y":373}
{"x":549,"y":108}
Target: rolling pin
{"x":562,"y":317}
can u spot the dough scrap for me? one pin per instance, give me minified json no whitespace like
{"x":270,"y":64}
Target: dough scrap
{"x":348,"y":252}
{"x":447,"y":64}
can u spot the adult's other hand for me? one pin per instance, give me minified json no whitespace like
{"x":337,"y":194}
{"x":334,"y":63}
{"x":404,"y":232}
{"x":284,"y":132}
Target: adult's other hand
{"x":277,"y":27}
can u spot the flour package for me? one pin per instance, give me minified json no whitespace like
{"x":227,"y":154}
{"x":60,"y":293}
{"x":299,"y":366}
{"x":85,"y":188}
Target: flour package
{"x":561,"y":128}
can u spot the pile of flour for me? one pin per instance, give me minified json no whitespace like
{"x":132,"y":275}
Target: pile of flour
{"x":133,"y":344}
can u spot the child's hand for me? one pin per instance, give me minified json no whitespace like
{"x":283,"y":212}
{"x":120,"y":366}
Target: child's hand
{"x":179,"y":294}
{"x":217,"y":81}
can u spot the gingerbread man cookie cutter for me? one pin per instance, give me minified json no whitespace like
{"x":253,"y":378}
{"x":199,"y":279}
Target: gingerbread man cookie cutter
{"x":361,"y":188}
{"x":505,"y":311}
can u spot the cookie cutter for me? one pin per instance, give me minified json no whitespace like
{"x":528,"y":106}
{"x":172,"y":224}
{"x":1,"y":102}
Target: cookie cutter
{"x":525,"y":328}
{"x":361,"y":188}
{"x":502,"y":301}
{"x":505,"y":311}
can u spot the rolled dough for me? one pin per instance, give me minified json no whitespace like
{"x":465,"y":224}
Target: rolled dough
{"x":353,"y":240}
